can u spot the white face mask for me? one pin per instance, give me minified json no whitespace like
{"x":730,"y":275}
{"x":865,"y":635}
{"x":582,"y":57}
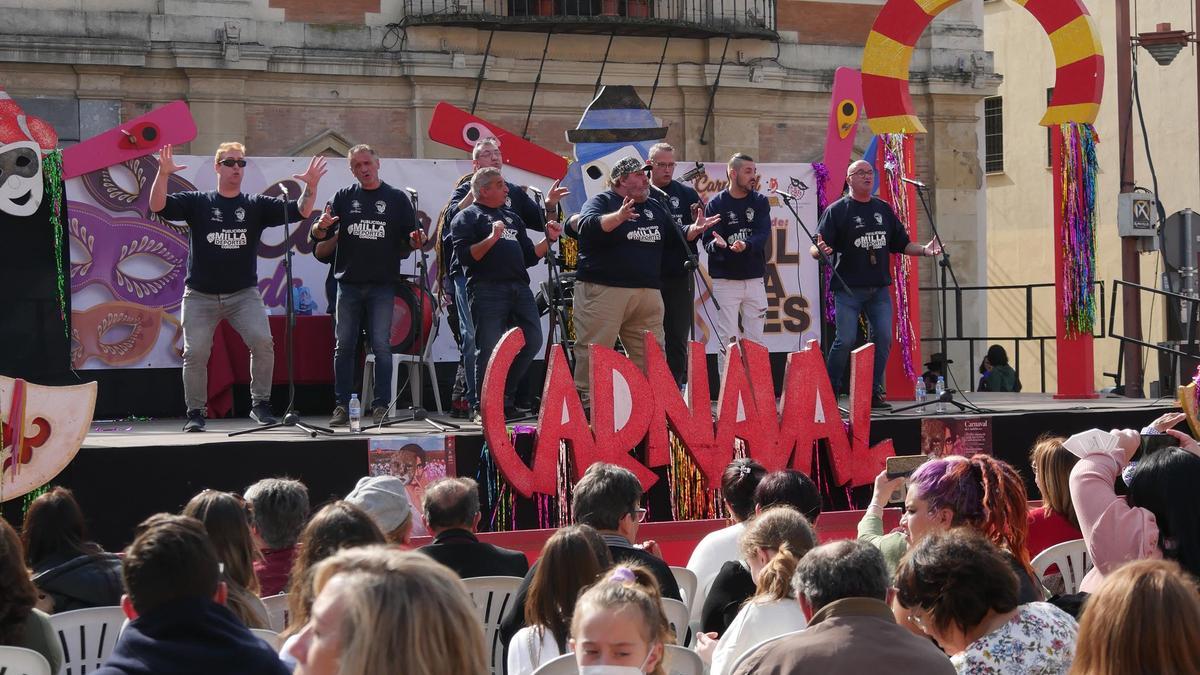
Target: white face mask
{"x":617,"y":670}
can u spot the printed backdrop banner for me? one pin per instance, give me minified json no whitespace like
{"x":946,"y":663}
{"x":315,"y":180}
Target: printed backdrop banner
{"x":128,"y":266}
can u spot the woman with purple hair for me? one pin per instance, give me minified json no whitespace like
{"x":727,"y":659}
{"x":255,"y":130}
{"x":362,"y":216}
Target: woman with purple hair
{"x":980,"y":492}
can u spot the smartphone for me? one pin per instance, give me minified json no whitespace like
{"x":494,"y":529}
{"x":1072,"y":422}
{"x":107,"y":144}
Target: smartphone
{"x":903,"y":466}
{"x":1152,"y":443}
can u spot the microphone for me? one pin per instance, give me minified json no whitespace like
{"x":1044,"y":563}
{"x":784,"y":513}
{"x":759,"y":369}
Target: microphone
{"x":412,"y":196}
{"x":284,"y":190}
{"x":693,"y":173}
{"x":784,"y":195}
{"x":919,"y":184}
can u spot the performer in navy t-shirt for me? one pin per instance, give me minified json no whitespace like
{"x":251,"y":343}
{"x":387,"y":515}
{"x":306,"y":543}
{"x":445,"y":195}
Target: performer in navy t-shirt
{"x":376,"y":228}
{"x":224,"y":227}
{"x":861,"y":232}
{"x":737,"y":255}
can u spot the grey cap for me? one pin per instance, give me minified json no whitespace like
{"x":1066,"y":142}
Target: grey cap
{"x":384,"y":499}
{"x":626,"y":166}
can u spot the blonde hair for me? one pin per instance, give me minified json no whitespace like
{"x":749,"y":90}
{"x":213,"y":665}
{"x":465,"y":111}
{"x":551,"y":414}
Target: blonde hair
{"x":1144,"y":618}
{"x":657,"y":148}
{"x":226,"y":147}
{"x":786,"y":531}
{"x":1052,"y":464}
{"x":629,"y":586}
{"x":404,"y":613}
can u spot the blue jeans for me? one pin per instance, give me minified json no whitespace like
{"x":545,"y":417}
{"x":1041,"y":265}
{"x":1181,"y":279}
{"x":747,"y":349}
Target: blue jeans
{"x":466,"y":332}
{"x":496,"y":307}
{"x":375,"y":302}
{"x":876,"y":303}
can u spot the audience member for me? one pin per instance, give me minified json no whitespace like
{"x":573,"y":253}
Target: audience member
{"x":338,"y":525}
{"x":175,"y":598}
{"x":278,"y":511}
{"x":733,"y":585}
{"x":1144,"y":618}
{"x":22,"y":624}
{"x":870,"y":527}
{"x":1161,"y":518}
{"x":773,"y":544}
{"x":738,"y":482}
{"x":1055,"y":522}
{"x":452,"y":514}
{"x":385,"y":499}
{"x":961,"y":590}
{"x":619,"y":625}
{"x":380,"y":610}
{"x":572,"y":559}
{"x":996,"y":374}
{"x":70,"y":571}
{"x":842,"y":588}
{"x":228,"y":525}
{"x":980,"y":492}
{"x":608,"y":498}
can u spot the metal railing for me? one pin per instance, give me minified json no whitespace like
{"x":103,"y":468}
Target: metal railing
{"x":1188,"y":305}
{"x":676,"y":18}
{"x":954,"y":330}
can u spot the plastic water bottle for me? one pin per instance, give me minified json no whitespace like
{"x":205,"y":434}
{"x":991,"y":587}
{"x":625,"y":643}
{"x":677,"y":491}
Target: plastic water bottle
{"x":355,"y":414}
{"x":919,"y":388}
{"x":938,"y":390}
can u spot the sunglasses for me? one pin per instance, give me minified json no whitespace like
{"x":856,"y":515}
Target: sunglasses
{"x":232,"y":163}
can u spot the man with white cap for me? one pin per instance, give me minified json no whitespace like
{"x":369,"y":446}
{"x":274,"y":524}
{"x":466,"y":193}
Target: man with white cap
{"x":386,"y":501}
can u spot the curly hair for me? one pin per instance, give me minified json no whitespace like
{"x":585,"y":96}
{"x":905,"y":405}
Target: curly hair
{"x":17,"y":592}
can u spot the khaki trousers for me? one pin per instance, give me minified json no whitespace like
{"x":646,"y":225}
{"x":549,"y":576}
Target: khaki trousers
{"x":605,"y":313}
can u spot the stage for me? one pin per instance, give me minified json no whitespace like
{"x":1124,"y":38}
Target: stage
{"x":129,"y":469}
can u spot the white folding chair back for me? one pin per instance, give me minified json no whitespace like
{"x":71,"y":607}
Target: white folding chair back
{"x":677,"y":616}
{"x":687,"y":585}
{"x":87,"y":637}
{"x":277,"y":611}
{"x":414,"y":363}
{"x":1072,"y":560}
{"x":560,"y":665}
{"x":21,"y":661}
{"x":753,"y":648}
{"x":492,"y":597}
{"x":268,"y":636}
{"x":683,"y":661}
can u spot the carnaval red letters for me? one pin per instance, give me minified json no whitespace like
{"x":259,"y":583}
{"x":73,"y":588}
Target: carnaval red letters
{"x":629,"y":406}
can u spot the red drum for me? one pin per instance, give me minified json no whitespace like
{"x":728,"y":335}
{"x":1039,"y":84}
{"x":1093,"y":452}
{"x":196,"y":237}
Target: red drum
{"x":409,"y":336}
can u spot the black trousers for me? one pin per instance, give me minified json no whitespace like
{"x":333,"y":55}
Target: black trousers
{"x":677,"y":323}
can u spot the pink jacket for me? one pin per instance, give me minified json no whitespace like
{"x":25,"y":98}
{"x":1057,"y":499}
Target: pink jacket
{"x":1114,"y":531}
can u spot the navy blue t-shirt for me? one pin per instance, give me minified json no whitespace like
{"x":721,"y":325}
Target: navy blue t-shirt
{"x":518,"y":201}
{"x":679,"y":199}
{"x":747,"y":219}
{"x":507,"y":259}
{"x":376,"y":227}
{"x":857,"y":230}
{"x":224,"y":234}
{"x":631,"y":255}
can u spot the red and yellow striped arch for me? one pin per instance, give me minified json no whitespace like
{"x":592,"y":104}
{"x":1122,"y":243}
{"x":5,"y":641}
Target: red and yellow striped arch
{"x":1078,"y":58}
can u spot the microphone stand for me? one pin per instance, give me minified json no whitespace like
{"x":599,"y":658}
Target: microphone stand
{"x":416,"y":413}
{"x":290,"y":417}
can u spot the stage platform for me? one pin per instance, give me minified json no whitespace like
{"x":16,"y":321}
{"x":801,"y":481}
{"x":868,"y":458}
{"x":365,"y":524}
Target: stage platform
{"x":129,"y":469}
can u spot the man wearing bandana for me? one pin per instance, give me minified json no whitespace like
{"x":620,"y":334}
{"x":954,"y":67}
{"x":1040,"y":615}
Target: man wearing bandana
{"x":860,"y":232}
{"x":224,"y":227}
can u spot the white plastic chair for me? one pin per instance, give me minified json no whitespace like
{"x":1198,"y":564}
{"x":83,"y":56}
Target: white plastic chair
{"x":21,"y":661}
{"x":680,"y":661}
{"x":560,"y":665}
{"x":492,"y":597}
{"x":414,"y":364}
{"x":677,"y":616}
{"x":1072,"y":560}
{"x":87,"y":637}
{"x":746,"y":654}
{"x":687,"y":585}
{"x":277,"y":611}
{"x":268,"y":636}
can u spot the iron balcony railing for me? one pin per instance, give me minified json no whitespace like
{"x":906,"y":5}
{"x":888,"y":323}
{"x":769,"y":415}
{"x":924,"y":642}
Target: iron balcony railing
{"x":675,"y":18}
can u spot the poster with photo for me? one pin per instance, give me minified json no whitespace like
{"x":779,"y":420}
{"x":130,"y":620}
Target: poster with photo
{"x":956,"y":436}
{"x":417,"y":461}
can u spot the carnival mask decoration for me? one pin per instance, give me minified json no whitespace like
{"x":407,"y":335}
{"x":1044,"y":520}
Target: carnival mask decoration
{"x":22,"y":140}
{"x":134,"y":259}
{"x":118,"y":333}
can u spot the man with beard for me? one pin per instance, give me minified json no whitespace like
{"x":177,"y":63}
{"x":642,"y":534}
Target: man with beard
{"x":224,"y":228}
{"x":862,"y":231}
{"x":737,"y":255}
{"x":377,"y":229}
{"x":677,"y":291}
{"x":619,"y":275}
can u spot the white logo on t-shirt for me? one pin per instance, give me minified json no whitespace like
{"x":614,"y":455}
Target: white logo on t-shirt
{"x":355,"y":207}
{"x":380,"y":207}
{"x":878,"y":218}
{"x":646,"y":235}
{"x":240,"y":214}
{"x":368,"y":229}
{"x":228,"y":239}
{"x":749,"y":213}
{"x":217,"y":217}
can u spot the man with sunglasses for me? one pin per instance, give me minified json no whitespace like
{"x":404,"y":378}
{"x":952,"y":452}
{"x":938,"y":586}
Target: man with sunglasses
{"x":860,"y":232}
{"x":224,"y":227}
